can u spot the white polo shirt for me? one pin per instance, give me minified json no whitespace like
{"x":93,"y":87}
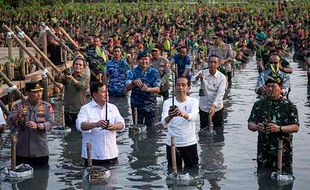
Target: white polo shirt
{"x":103,"y":141}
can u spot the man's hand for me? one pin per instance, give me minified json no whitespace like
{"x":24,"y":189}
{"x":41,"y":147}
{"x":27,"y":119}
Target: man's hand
{"x":272,"y":127}
{"x":212,"y":110}
{"x":102,"y":124}
{"x":31,"y":125}
{"x":200,"y":76}
{"x":138,"y":83}
{"x":145,"y":88}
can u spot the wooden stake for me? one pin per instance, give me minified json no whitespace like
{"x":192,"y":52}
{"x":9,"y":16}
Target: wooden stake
{"x":173,"y":156}
{"x":210,"y":126}
{"x":136,"y":116}
{"x":9,"y":71}
{"x":280,"y":152}
{"x":89,"y":161}
{"x":13,"y":152}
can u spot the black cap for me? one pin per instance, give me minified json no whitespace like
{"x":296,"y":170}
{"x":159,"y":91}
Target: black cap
{"x":143,"y":54}
{"x":33,"y":86}
{"x":277,"y":80}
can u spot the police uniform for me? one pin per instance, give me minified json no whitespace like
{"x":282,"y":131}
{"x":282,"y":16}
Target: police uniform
{"x":32,"y":145}
{"x":282,"y":112}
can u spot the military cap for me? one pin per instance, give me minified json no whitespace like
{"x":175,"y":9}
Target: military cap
{"x":33,"y":86}
{"x":277,"y":80}
{"x":142,"y":54}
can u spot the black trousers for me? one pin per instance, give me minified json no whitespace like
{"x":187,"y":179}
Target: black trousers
{"x":187,"y":154}
{"x":70,"y":119}
{"x":105,"y":163}
{"x":33,"y":161}
{"x":217,"y":119}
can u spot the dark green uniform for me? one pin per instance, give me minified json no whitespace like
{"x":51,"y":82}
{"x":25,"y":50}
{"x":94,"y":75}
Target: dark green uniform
{"x":282,"y":112}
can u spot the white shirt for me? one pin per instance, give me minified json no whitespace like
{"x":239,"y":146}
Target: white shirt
{"x":103,"y":141}
{"x":183,"y":129}
{"x":2,"y":120}
{"x":214,"y":90}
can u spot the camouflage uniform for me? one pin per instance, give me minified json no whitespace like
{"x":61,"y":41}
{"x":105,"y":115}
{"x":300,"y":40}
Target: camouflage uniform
{"x":183,"y":63}
{"x":93,"y":58}
{"x":282,"y":112}
{"x":117,"y":72}
{"x":145,"y":102}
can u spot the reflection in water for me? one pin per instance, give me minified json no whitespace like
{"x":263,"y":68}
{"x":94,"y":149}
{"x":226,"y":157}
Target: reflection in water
{"x":143,"y":157}
{"x":212,"y":158}
{"x":265,"y":182}
{"x":39,"y":180}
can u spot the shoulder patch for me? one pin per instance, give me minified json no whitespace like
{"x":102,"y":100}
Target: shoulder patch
{"x":50,"y":108}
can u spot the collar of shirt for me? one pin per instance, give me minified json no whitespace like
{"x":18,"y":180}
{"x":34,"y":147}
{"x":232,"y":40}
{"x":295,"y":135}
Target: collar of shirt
{"x":94,"y":104}
{"x":209,"y":75}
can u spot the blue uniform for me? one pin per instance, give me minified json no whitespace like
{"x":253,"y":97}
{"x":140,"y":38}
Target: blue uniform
{"x":145,"y":102}
{"x":117,"y":72}
{"x":183,"y":63}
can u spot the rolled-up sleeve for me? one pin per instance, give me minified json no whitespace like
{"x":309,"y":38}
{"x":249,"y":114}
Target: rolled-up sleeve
{"x":82,"y":117}
{"x":118,"y":117}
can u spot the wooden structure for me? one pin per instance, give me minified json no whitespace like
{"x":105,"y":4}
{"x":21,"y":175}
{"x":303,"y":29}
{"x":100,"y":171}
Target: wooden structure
{"x":28,"y":58}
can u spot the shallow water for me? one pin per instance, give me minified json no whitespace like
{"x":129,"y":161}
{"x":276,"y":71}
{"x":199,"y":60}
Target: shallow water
{"x":228,"y":163}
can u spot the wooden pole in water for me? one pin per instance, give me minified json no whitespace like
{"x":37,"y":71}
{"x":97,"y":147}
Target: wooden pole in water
{"x":136,"y":116}
{"x":36,"y":61}
{"x":210,"y":126}
{"x":89,"y":161}
{"x":173,"y":156}
{"x":280,"y":152}
{"x":13,"y":152}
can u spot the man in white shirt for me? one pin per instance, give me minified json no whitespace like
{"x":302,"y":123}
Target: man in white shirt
{"x":99,"y":130}
{"x":211,"y":101}
{"x":181,"y":124}
{"x":2,"y":121}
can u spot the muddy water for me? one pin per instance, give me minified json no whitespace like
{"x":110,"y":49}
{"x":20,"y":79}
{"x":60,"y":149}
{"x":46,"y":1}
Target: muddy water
{"x":226,"y":163}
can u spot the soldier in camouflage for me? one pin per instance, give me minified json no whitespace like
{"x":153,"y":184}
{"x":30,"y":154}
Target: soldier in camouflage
{"x":144,"y":82}
{"x":117,"y":69}
{"x":274,"y":117}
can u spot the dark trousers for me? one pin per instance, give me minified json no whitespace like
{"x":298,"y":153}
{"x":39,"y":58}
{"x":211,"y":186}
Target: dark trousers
{"x":217,"y":119}
{"x":105,"y":163}
{"x":32,"y":161}
{"x":144,"y":117}
{"x":70,"y":119}
{"x":188,"y":154}
{"x":165,"y":95}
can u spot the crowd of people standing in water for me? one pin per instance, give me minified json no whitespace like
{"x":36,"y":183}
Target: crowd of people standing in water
{"x":203,"y":45}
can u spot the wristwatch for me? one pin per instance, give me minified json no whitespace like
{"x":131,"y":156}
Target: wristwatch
{"x":281,"y":128}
